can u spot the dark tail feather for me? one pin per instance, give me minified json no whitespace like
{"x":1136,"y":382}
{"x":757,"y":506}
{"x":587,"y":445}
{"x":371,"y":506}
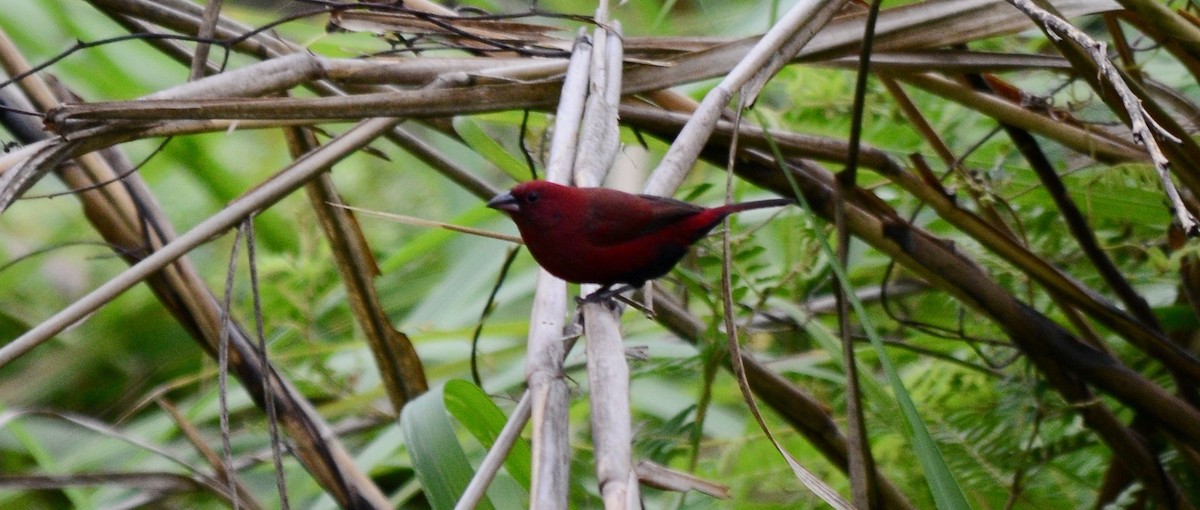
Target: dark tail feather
{"x":756,"y":204}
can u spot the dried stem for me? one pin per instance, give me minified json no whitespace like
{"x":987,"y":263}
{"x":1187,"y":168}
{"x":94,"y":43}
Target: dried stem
{"x":1146,"y":131}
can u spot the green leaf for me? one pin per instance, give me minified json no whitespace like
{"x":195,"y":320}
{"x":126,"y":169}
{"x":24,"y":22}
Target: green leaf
{"x":484,"y":420}
{"x":1177,"y":317}
{"x":437,"y":457}
{"x":46,"y":461}
{"x":472,"y":133}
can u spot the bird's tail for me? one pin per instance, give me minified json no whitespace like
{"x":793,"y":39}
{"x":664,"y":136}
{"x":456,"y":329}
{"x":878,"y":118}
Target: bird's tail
{"x":756,"y":204}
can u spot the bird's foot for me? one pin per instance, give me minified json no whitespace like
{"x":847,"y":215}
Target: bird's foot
{"x":603,"y":294}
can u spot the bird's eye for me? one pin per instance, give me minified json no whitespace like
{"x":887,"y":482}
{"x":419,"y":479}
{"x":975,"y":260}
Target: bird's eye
{"x":532,"y":197}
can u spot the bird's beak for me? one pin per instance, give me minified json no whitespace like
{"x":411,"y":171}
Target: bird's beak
{"x":505,"y":202}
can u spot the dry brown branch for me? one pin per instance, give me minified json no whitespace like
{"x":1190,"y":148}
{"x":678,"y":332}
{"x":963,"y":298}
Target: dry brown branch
{"x":189,"y":299}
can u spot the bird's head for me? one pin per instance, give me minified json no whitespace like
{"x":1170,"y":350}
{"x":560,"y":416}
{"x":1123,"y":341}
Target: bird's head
{"x":526,"y":199}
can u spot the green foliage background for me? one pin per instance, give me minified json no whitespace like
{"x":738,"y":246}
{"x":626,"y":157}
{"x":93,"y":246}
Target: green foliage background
{"x":990,"y":422}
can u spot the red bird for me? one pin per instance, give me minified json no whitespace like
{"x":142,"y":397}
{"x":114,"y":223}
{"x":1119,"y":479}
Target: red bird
{"x":608,"y":237}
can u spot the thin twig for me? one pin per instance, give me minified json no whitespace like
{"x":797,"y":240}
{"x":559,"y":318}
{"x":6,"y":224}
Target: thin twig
{"x":422,"y":222}
{"x":212,"y":14}
{"x":861,"y":462}
{"x":810,"y":480}
{"x":223,"y":366}
{"x":488,"y":306}
{"x":265,"y":366}
{"x":1142,"y":125}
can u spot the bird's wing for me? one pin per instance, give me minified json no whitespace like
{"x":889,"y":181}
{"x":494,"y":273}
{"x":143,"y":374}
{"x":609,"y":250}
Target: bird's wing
{"x":623,"y":218}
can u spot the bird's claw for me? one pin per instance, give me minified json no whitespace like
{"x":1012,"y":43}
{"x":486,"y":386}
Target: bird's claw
{"x":605,"y":294}
{"x":596,"y":297}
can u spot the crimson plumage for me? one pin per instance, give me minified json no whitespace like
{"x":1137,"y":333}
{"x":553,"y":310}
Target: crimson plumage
{"x":608,"y":237}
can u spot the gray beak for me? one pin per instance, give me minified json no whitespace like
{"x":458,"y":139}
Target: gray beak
{"x":505,"y":202}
